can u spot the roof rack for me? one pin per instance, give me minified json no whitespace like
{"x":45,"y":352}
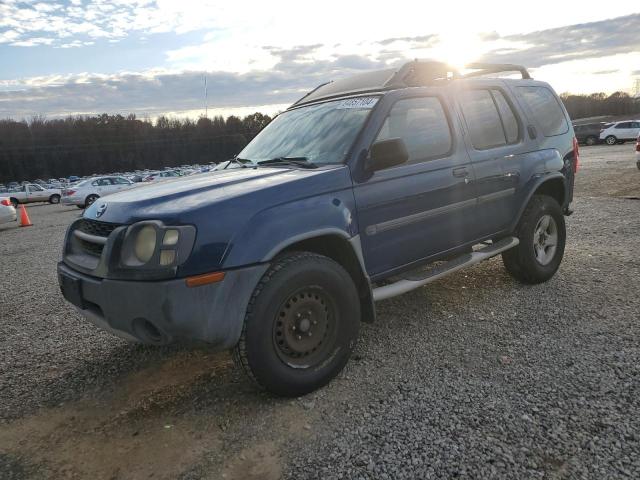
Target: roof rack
{"x":418,"y":73}
{"x":488,"y":68}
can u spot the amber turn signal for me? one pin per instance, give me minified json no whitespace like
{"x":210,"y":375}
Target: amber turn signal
{"x":204,"y":279}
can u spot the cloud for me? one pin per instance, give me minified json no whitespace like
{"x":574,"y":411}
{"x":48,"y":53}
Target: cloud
{"x":572,"y":42}
{"x":258,"y":76}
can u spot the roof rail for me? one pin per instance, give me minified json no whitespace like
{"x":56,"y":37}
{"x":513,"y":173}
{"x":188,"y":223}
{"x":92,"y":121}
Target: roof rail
{"x":487,"y":68}
{"x":310,"y":92}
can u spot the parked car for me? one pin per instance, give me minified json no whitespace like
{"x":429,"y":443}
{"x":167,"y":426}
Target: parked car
{"x":589,"y":134}
{"x":346,"y":198}
{"x":619,"y":132}
{"x":164,"y":175}
{"x":73,"y":178}
{"x":7,"y":210}
{"x":88,"y":191}
{"x":31,"y":193}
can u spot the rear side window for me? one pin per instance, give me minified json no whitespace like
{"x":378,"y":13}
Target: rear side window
{"x":546,"y":109}
{"x":422,"y":124}
{"x":483,"y":120}
{"x":509,"y":120}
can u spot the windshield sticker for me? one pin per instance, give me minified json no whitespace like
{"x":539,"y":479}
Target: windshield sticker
{"x":359,"y":102}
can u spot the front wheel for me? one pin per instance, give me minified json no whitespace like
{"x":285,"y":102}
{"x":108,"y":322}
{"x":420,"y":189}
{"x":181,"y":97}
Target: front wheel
{"x":611,"y":140}
{"x":542,"y":236}
{"x":301,"y":325}
{"x":54,"y":199}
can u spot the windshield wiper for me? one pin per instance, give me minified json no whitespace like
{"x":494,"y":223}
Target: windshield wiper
{"x":240,"y":161}
{"x":294,"y":161}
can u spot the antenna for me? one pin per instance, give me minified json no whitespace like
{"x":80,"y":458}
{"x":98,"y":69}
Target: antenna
{"x":206,"y":109}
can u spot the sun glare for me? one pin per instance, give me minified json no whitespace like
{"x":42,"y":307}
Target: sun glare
{"x":457,"y":49}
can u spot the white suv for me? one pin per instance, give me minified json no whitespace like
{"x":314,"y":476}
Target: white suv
{"x":88,"y":191}
{"x":619,"y":132}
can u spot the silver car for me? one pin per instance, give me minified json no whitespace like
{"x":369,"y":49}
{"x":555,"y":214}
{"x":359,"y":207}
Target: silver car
{"x":86,"y":192}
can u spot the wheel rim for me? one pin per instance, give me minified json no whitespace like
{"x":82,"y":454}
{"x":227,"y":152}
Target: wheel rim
{"x":545,"y":239}
{"x":611,"y":140}
{"x":91,"y":199}
{"x":590,"y":141}
{"x":55,"y":199}
{"x":304,"y":328}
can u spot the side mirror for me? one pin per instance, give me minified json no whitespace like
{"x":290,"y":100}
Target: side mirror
{"x":387,"y":153}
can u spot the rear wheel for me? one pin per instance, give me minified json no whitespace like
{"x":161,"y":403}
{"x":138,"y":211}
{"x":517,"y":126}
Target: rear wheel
{"x":55,"y":198}
{"x":90,"y":199}
{"x":542,"y":236}
{"x":590,"y":141}
{"x":301,"y":325}
{"x":611,"y":140}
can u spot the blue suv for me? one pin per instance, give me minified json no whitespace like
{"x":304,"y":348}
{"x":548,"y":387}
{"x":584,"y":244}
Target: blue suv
{"x":364,"y":189}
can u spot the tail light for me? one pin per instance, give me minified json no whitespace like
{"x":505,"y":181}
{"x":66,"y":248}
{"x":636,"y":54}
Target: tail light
{"x":638,"y":146}
{"x":5,"y":202}
{"x":68,"y":193}
{"x":576,"y":155}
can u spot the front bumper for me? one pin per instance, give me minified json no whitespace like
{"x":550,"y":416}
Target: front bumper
{"x":163,"y":312}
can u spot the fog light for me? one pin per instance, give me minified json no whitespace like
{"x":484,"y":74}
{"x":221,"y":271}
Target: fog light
{"x":170,"y":237}
{"x":167,"y":257}
{"x":145,"y":243}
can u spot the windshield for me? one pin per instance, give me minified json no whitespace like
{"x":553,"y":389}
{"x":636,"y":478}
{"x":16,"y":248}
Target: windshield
{"x":321,"y":133}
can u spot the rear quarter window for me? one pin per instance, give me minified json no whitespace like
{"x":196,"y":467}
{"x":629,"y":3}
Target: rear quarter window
{"x":546,"y":109}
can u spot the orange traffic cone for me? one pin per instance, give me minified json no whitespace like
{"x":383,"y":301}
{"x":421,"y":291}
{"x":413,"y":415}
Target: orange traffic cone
{"x":24,"y":217}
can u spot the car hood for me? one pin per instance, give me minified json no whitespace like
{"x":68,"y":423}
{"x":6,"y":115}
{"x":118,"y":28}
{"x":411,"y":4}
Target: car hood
{"x":186,"y":199}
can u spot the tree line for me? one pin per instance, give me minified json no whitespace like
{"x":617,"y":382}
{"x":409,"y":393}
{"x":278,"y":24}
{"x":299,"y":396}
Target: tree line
{"x":600,"y":104}
{"x":87,"y":145}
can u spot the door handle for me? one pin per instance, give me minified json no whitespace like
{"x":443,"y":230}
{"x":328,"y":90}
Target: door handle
{"x":460,"y":172}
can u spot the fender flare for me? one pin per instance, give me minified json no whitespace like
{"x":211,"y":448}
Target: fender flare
{"x":366,"y":297}
{"x":532,"y":191}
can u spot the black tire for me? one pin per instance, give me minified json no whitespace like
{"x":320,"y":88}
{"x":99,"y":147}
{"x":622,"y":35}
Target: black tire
{"x":81,"y":207}
{"x":296,"y":282}
{"x":521,"y":261}
{"x":611,"y":140}
{"x":590,"y":141}
{"x":14,"y":202}
{"x":54,"y":199}
{"x":90,"y":199}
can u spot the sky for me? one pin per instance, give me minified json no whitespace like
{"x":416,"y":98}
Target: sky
{"x":151,"y":57}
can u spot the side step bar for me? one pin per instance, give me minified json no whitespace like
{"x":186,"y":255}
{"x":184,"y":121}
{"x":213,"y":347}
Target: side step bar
{"x":412,"y":282}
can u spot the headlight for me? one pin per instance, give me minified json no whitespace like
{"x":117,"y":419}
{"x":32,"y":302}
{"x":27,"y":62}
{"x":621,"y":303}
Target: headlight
{"x":145,"y":243}
{"x":150,"y":245}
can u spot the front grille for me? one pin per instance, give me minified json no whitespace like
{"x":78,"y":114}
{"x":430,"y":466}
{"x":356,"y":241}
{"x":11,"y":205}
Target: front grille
{"x":93,"y":227}
{"x":92,"y":248}
{"x":99,"y":229}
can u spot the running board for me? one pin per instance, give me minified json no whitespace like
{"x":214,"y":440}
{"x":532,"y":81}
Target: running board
{"x":411,"y":282}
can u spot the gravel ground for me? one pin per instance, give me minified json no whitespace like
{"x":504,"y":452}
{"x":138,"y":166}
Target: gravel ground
{"x":474,"y":376}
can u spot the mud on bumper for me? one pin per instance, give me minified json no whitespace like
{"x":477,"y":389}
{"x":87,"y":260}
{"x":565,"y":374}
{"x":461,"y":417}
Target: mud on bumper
{"x":163,"y":312}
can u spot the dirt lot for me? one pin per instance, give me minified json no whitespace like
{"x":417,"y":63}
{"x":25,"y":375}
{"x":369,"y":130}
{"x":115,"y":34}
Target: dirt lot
{"x":474,"y":376}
